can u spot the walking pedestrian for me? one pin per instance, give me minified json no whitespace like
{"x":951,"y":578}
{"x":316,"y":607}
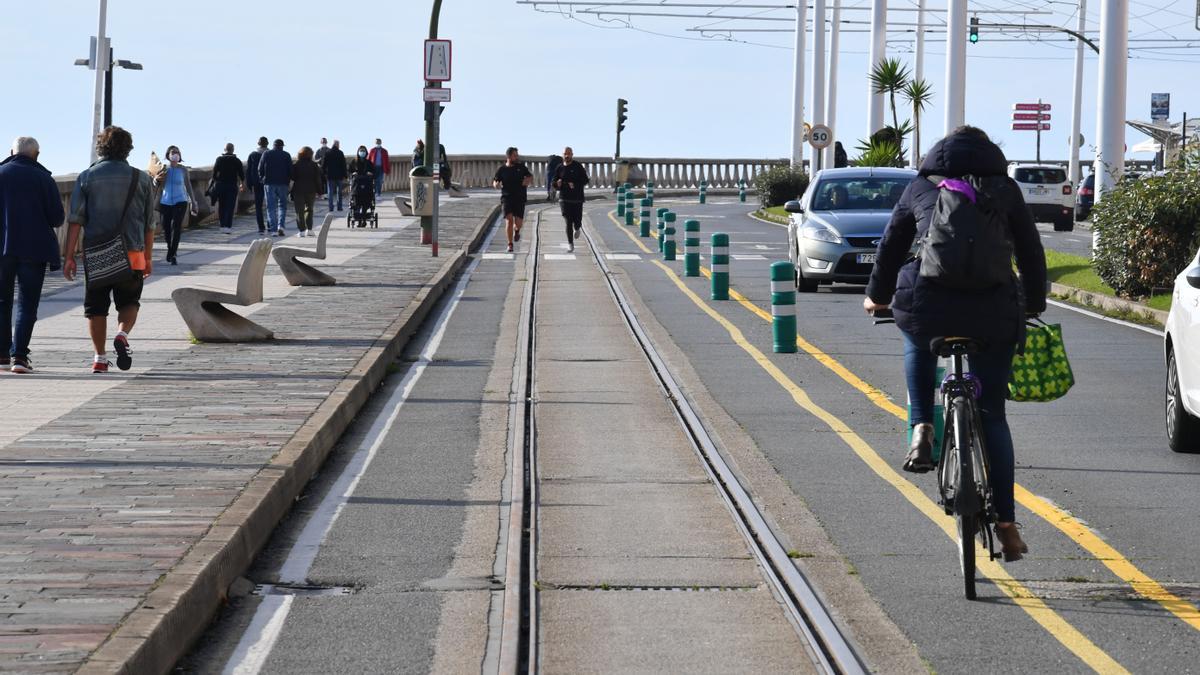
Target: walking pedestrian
{"x":379,"y":157}
{"x":569,"y":179}
{"x":112,"y":203}
{"x":418,"y":158}
{"x":275,"y":172}
{"x":319,"y":155}
{"x":444,"y":167}
{"x":306,"y":184}
{"x":30,"y":211}
{"x":177,"y":201}
{"x":552,"y":164}
{"x":229,"y":179}
{"x":254,"y":181}
{"x":335,"y":173}
{"x":513,"y":179}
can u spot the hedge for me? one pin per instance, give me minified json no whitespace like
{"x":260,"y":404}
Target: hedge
{"x":779,"y":185}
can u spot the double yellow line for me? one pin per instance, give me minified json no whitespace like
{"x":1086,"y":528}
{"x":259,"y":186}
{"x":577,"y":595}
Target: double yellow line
{"x":1064,"y":632}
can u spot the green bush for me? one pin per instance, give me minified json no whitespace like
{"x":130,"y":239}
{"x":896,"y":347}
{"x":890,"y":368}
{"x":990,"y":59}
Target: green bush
{"x":779,"y":185}
{"x":1149,"y":230}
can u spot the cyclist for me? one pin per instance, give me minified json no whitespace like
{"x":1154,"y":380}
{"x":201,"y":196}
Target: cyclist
{"x":925,"y":309}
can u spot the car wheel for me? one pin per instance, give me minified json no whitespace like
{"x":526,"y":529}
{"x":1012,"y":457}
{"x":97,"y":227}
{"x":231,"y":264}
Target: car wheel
{"x":1064,"y":224}
{"x":1183,"y":430}
{"x":805,"y":285}
{"x":1080,"y":215}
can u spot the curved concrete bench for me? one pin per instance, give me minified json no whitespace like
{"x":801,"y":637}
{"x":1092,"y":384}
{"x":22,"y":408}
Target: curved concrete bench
{"x":210,"y":321}
{"x":301,"y":274}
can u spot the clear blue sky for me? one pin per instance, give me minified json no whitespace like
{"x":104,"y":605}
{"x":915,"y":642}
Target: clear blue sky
{"x":219,"y":71}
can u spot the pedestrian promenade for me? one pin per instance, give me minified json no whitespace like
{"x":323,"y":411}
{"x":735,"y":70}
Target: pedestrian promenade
{"x":128,"y":496}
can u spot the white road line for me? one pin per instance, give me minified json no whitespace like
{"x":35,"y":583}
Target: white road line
{"x":559,"y":256}
{"x":753,"y":256}
{"x":497,"y":256}
{"x":260,"y":637}
{"x":623,"y":256}
{"x":1129,"y":324}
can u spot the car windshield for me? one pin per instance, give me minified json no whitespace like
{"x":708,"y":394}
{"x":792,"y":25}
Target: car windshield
{"x":1041,"y":176}
{"x":859,"y":194}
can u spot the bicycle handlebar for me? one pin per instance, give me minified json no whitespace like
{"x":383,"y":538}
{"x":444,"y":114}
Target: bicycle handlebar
{"x":882,"y":316}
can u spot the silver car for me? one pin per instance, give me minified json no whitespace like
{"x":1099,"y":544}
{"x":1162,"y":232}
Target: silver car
{"x":835,"y":227}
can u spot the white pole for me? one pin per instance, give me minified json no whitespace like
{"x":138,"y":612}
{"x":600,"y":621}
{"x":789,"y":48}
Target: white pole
{"x":831,"y":98}
{"x":1077,"y":106}
{"x":878,"y":53}
{"x":918,"y":74}
{"x":1110,"y":107}
{"x":956,"y":64}
{"x":818,"y":84}
{"x":798,"y":91}
{"x":101,"y":63}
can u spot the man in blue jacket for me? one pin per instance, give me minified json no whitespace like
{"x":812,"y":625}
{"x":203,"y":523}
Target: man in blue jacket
{"x":275,"y":172}
{"x":255,"y":183}
{"x":30,"y":210}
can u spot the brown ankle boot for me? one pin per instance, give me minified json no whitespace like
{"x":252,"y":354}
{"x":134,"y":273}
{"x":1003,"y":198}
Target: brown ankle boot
{"x":1010,"y":541}
{"x":920,"y":453}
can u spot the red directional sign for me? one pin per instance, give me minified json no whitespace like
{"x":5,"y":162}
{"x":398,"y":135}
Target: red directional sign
{"x":1031,"y":106}
{"x":1031,"y":117}
{"x":1029,"y":126}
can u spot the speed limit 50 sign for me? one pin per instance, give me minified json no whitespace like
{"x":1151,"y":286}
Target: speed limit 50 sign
{"x":820,"y":137}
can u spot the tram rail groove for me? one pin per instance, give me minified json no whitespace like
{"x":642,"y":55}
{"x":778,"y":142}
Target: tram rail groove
{"x":836,"y":652}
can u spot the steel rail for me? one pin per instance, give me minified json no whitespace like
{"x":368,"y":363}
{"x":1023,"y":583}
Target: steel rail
{"x":834,"y":651}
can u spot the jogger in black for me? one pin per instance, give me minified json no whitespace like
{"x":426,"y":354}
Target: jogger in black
{"x":569,"y":180}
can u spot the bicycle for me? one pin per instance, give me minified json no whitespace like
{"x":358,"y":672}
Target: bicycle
{"x":964,"y":489}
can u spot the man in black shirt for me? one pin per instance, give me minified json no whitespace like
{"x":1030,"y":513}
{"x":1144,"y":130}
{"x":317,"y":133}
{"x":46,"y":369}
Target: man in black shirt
{"x":229,"y":178}
{"x":513,"y":178}
{"x":569,"y":179}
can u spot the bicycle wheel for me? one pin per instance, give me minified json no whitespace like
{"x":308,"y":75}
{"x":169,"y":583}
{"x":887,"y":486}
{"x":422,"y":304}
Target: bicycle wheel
{"x":966,"y":497}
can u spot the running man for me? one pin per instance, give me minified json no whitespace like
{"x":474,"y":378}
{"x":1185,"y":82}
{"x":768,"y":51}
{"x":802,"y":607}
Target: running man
{"x":569,"y":179}
{"x":513,"y":178}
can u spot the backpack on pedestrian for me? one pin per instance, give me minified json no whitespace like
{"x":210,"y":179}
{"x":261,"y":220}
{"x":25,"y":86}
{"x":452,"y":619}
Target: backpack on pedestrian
{"x":968,"y":245}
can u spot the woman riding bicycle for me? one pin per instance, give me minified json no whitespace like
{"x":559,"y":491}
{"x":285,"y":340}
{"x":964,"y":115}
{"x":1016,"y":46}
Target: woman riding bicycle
{"x":925,"y":309}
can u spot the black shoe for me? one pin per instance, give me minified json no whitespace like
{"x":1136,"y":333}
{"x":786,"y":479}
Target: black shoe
{"x":920,"y":454}
{"x":517,"y":235}
{"x":124,"y":353}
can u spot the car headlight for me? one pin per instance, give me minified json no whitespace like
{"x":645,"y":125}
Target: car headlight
{"x":820,"y":232}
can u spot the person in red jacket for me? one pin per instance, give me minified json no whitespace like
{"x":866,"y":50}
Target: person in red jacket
{"x":378,"y":156}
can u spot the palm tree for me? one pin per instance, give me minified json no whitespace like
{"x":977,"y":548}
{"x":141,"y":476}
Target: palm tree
{"x":890,"y":76}
{"x":918,"y":92}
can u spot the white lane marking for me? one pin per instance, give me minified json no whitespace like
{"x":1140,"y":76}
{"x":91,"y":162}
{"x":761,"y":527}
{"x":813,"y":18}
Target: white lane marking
{"x":559,"y":256}
{"x":259,"y":640}
{"x":498,"y":256}
{"x":1119,"y":322}
{"x":762,"y":248}
{"x":623,"y":256}
{"x":752,"y":256}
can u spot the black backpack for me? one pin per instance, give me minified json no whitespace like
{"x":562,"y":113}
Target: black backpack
{"x":967,"y":245}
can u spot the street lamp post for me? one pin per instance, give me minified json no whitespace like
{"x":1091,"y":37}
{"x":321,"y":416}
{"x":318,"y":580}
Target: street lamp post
{"x":1077,"y":102}
{"x":113,"y":64}
{"x":101,"y":66}
{"x":878,"y":53}
{"x":956,"y":64}
{"x":429,"y":233}
{"x":798,"y":91}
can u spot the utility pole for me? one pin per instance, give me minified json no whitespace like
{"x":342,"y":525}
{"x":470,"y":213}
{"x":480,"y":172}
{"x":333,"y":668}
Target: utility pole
{"x":432,"y":132}
{"x":878,"y":53}
{"x":831,"y":98}
{"x":1073,"y":169}
{"x":956,"y":64}
{"x":798,"y":91}
{"x":101,"y":65}
{"x":1110,"y":113}
{"x":818,"y":84}
{"x":1038,"y":131}
{"x":918,"y":75}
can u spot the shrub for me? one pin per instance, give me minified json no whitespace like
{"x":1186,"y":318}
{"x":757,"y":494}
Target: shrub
{"x":779,"y":185}
{"x":1148,"y":231}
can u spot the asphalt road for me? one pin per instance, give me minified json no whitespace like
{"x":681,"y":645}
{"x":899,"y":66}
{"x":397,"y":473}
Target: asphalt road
{"x":1099,"y":454}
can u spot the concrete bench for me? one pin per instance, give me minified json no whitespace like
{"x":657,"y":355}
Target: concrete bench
{"x":301,"y":274}
{"x":204,"y":312}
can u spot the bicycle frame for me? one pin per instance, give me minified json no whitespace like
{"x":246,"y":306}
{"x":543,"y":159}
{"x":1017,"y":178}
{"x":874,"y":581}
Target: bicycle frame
{"x":960,"y":390}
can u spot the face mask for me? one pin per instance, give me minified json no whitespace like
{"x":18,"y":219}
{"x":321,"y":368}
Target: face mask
{"x":174,"y":156}
{"x":362,"y":153}
{"x":322,"y":145}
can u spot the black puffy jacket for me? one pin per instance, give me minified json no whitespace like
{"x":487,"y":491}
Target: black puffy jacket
{"x":926,"y":308}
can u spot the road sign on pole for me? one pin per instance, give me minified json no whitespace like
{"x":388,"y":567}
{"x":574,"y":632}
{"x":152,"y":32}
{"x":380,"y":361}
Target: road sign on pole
{"x":437,"y":60}
{"x":1031,"y":106}
{"x":820,"y":137}
{"x":1031,"y":117}
{"x":437,"y":94}
{"x":1160,"y":106}
{"x":1029,"y":126}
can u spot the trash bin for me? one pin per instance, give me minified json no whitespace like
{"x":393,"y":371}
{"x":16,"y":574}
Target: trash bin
{"x":629,"y":173}
{"x":423,"y":189}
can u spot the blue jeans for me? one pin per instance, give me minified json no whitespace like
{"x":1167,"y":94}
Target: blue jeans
{"x":26,"y":275}
{"x":992,"y":367}
{"x":332,"y":188}
{"x":379,"y":182}
{"x":277,"y":200}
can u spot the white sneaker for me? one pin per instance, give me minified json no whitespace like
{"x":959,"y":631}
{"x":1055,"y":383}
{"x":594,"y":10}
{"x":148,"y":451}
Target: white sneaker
{"x":570,"y":249}
{"x":300,"y":234}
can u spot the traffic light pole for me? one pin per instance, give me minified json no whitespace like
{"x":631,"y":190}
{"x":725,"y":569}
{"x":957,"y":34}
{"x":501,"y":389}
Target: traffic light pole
{"x":956,"y":64}
{"x":429,"y":224}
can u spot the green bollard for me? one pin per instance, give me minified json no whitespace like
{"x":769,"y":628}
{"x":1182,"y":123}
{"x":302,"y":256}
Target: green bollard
{"x":703,"y":191}
{"x":720,"y":266}
{"x":660,"y":224}
{"x":669,"y":236}
{"x":742,"y":191}
{"x":621,"y":202}
{"x":783,"y":307}
{"x":630,"y":203}
{"x":691,"y":248}
{"x":644,"y":221}
{"x":939,"y":422}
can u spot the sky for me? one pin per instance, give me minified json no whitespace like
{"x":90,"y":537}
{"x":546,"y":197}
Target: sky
{"x":222,"y":71}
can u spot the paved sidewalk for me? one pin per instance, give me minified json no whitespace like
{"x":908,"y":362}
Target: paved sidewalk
{"x":109,"y":482}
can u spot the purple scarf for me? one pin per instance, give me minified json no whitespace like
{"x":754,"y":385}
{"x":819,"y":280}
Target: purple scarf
{"x":960,"y":186}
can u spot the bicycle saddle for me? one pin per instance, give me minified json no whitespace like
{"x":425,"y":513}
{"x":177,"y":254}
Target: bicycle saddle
{"x":949,"y":346}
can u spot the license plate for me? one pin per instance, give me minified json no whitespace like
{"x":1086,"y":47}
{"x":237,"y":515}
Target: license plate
{"x":1037,"y":191}
{"x":865,"y":258}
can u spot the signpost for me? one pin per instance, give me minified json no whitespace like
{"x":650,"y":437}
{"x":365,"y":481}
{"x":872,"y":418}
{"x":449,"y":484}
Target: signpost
{"x":436,"y":71}
{"x":437,"y":94}
{"x":820,"y":136}
{"x":1032,"y":117}
{"x":1160,"y":106}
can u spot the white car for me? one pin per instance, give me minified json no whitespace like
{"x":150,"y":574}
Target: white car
{"x":1047,"y":192}
{"x":1182,"y":349}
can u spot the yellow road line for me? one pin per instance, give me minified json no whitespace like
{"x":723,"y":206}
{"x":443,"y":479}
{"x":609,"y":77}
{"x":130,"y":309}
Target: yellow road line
{"x":1064,"y":632}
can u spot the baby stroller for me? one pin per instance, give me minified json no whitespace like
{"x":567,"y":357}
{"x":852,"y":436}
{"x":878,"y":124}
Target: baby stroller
{"x":362,"y":201}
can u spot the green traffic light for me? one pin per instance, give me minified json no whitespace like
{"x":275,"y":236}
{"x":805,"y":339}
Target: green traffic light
{"x":974,"y":38}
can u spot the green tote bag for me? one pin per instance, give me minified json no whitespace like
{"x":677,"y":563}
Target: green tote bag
{"x":1043,"y":372}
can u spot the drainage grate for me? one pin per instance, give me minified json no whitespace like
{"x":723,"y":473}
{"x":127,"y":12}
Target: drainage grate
{"x":305,"y":590}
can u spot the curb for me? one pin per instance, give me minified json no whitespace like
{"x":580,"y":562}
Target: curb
{"x":764,"y":220}
{"x":1088,"y":298}
{"x":176,"y":612}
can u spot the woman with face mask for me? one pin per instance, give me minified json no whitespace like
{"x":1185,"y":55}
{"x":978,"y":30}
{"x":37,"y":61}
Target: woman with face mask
{"x":360,"y":164}
{"x":176,"y":202}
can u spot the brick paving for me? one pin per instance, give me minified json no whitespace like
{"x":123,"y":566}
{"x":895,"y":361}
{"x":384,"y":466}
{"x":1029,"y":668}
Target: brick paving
{"x":107,"y":481}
